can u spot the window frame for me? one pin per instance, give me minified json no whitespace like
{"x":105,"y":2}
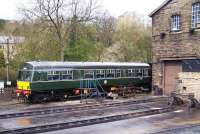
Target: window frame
{"x":68,"y":73}
{"x":139,"y":73}
{"x":89,"y":72}
{"x":38,"y":75}
{"x":131,"y":73}
{"x":175,"y":23}
{"x":195,"y":16}
{"x":100,"y":72}
{"x":52,"y":74}
{"x":110,"y":72}
{"x":25,"y":75}
{"x":146,"y":72}
{"x":118,"y":73}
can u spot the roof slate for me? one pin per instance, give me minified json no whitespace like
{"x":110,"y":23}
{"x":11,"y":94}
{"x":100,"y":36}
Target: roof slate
{"x":160,"y":7}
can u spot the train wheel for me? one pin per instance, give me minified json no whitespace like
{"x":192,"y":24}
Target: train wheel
{"x":33,"y":99}
{"x":63,"y":97}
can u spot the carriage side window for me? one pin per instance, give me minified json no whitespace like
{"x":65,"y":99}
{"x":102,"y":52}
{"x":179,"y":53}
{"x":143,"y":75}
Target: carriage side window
{"x":50,"y":75}
{"x":110,"y":73}
{"x":66,"y":75}
{"x":88,"y":74}
{"x":138,"y":72}
{"x":118,"y":73}
{"x":146,"y":72}
{"x":53,"y":75}
{"x":131,"y":72}
{"x":100,"y":74}
{"x":40,"y":76}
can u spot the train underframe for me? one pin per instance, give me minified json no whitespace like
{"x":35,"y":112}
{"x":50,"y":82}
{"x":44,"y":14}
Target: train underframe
{"x":62,"y":95}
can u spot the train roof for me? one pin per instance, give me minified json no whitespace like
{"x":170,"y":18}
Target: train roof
{"x":83,"y":64}
{"x":80,"y":65}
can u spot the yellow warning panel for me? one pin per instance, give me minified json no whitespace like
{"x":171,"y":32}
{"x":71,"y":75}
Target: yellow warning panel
{"x":23,"y":85}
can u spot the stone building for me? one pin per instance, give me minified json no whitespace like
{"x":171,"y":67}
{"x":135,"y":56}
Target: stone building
{"x":176,"y":40}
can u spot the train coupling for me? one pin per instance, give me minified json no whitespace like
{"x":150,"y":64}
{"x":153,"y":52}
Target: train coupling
{"x":23,"y":93}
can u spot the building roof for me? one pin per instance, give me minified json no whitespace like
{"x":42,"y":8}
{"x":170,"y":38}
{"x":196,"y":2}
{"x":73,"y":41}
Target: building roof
{"x":160,"y":7}
{"x":11,"y":39}
{"x":83,"y":64}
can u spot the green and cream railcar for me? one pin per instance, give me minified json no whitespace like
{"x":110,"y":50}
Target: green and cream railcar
{"x":38,"y":80}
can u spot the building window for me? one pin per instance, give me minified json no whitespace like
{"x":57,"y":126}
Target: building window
{"x":195,"y":14}
{"x":175,"y":23}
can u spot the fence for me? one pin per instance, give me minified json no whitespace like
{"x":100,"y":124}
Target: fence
{"x":7,"y":93}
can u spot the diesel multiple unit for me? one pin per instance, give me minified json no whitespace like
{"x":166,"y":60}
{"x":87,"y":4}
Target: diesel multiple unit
{"x":43,"y":80}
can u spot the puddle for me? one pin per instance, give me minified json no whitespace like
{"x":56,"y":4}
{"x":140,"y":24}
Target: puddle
{"x":24,"y":122}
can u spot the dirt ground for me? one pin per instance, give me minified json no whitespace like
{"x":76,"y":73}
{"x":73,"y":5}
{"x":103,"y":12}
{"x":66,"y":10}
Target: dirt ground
{"x":7,"y":94}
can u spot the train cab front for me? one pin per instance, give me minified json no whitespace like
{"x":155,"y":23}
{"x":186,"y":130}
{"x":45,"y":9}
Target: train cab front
{"x":23,"y":82}
{"x":23,"y":89}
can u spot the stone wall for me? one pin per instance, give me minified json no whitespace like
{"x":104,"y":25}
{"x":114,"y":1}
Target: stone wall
{"x":189,"y":83}
{"x":175,"y":45}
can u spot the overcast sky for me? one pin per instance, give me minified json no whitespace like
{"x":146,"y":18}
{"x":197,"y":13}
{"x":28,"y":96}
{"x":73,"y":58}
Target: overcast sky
{"x":8,"y":8}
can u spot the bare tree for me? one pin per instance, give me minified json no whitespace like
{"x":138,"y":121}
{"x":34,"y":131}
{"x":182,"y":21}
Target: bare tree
{"x":61,"y":16}
{"x":106,"y":26}
{"x":132,"y":40}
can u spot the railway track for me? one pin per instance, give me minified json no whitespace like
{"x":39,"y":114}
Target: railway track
{"x":54,"y":110}
{"x":87,"y":122}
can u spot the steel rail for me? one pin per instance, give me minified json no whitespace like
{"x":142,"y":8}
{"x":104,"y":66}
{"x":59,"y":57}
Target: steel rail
{"x":87,"y":122}
{"x":52,"y":110}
